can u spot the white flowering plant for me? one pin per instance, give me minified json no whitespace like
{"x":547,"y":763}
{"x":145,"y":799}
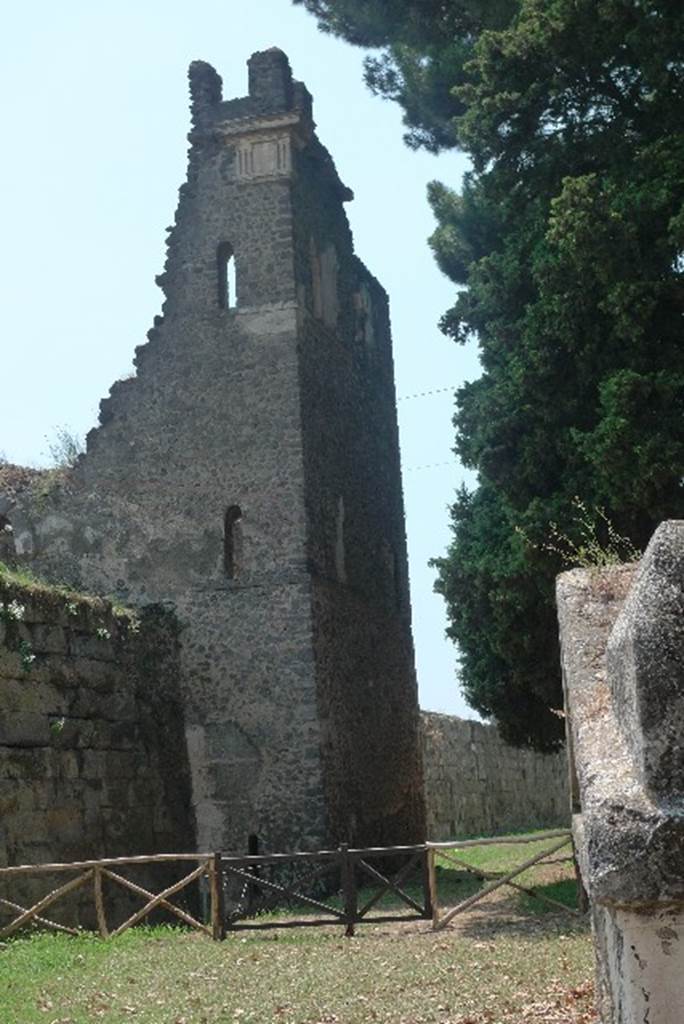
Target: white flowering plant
{"x":12,"y":611}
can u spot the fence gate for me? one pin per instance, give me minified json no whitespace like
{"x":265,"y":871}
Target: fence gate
{"x":330,"y":887}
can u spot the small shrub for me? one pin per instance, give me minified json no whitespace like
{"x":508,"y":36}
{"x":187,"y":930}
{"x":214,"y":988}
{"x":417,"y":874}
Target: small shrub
{"x":65,"y":448}
{"x":594,"y":543}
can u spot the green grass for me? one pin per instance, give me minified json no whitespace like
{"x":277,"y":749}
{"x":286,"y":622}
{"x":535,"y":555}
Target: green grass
{"x":21,"y":577}
{"x":504,"y":963}
{"x":505,"y":856}
{"x":554,"y":880}
{"x":564,"y":891}
{"x":162,"y":976}
{"x":456,"y":884}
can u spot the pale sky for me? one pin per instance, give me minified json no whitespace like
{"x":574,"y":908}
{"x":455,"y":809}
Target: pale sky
{"x":94,"y":118}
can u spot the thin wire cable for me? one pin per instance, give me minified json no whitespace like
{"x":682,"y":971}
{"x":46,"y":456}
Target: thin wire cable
{"x":429,"y":465}
{"x":427,"y":394}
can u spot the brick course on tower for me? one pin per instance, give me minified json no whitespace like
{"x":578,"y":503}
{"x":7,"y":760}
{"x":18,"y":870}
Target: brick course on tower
{"x":249,"y":475}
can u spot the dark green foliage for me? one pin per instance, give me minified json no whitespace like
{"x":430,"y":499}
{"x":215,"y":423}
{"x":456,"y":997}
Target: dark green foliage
{"x":425,"y":45}
{"x":568,"y":235}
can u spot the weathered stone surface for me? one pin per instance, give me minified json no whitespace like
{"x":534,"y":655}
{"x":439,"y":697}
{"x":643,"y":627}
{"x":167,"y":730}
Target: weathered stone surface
{"x":475,"y":784}
{"x":623,"y":828}
{"x":646,"y":664}
{"x":86,"y":773}
{"x":622,"y":646}
{"x":23,"y":729}
{"x":277,"y":402}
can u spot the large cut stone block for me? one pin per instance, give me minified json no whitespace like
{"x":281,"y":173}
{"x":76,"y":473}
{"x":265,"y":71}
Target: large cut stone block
{"x":622,"y":646}
{"x":645,"y":658}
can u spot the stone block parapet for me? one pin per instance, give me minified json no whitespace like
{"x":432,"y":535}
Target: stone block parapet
{"x":92,"y":751}
{"x":622,"y":649}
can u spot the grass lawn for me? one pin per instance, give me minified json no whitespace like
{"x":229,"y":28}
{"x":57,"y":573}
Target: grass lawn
{"x":503,"y":963}
{"x":554,"y":880}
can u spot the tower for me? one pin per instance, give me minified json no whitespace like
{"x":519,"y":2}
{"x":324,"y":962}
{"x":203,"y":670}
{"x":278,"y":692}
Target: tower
{"x":249,"y":475}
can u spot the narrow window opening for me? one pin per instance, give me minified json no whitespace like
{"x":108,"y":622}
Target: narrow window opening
{"x":392,"y":574}
{"x":232,"y":541}
{"x":227,"y":285}
{"x":253,"y":844}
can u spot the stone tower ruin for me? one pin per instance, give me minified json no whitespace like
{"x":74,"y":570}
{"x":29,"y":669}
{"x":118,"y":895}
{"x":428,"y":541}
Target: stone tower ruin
{"x":249,"y":476}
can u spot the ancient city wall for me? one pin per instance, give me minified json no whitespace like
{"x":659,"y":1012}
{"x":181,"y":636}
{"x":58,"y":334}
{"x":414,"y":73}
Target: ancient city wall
{"x":92,"y":752}
{"x":475,"y":784}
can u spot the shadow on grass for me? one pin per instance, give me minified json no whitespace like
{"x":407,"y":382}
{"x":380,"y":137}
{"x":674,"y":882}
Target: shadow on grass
{"x":454,"y":886}
{"x":490,"y":923}
{"x":509,"y":911}
{"x":562,"y":891}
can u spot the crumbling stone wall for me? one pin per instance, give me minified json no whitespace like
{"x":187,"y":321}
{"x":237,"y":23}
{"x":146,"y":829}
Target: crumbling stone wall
{"x":366,"y":685}
{"x":622,"y":644}
{"x":92,"y":751}
{"x":475,"y":784}
{"x":249,"y":474}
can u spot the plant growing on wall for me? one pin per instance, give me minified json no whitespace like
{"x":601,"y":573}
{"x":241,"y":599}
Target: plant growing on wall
{"x":65,"y":448}
{"x":12,"y":613}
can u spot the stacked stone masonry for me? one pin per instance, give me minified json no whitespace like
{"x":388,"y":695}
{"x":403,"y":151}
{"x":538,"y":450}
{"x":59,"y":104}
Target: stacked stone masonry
{"x":249,"y":474}
{"x":475,"y":784}
{"x":249,"y":477}
{"x":92,"y":751}
{"x":93,"y":759}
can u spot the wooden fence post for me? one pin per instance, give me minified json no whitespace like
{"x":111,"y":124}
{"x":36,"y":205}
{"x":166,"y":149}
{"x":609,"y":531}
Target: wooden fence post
{"x":348,"y":882}
{"x":99,"y":903}
{"x":433,"y":896}
{"x":218,"y":923}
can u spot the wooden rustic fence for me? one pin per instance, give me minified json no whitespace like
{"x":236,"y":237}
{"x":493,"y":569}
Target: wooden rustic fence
{"x":94,"y":872}
{"x":270,"y":883}
{"x":290,"y":890}
{"x":493,"y":881}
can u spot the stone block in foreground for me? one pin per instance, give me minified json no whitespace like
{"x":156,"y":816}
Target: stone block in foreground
{"x":622,"y":649}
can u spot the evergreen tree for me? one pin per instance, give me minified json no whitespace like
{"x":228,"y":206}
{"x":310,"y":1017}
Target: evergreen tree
{"x":568,"y":237}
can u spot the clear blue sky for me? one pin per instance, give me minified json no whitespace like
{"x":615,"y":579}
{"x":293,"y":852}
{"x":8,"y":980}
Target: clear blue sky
{"x":95,"y":114}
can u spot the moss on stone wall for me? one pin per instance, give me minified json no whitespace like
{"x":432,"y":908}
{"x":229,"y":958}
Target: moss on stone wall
{"x":92,"y":746}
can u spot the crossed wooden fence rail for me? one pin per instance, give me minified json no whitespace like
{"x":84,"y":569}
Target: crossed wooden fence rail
{"x":494,"y":881}
{"x":93,"y":872}
{"x":348,"y":864}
